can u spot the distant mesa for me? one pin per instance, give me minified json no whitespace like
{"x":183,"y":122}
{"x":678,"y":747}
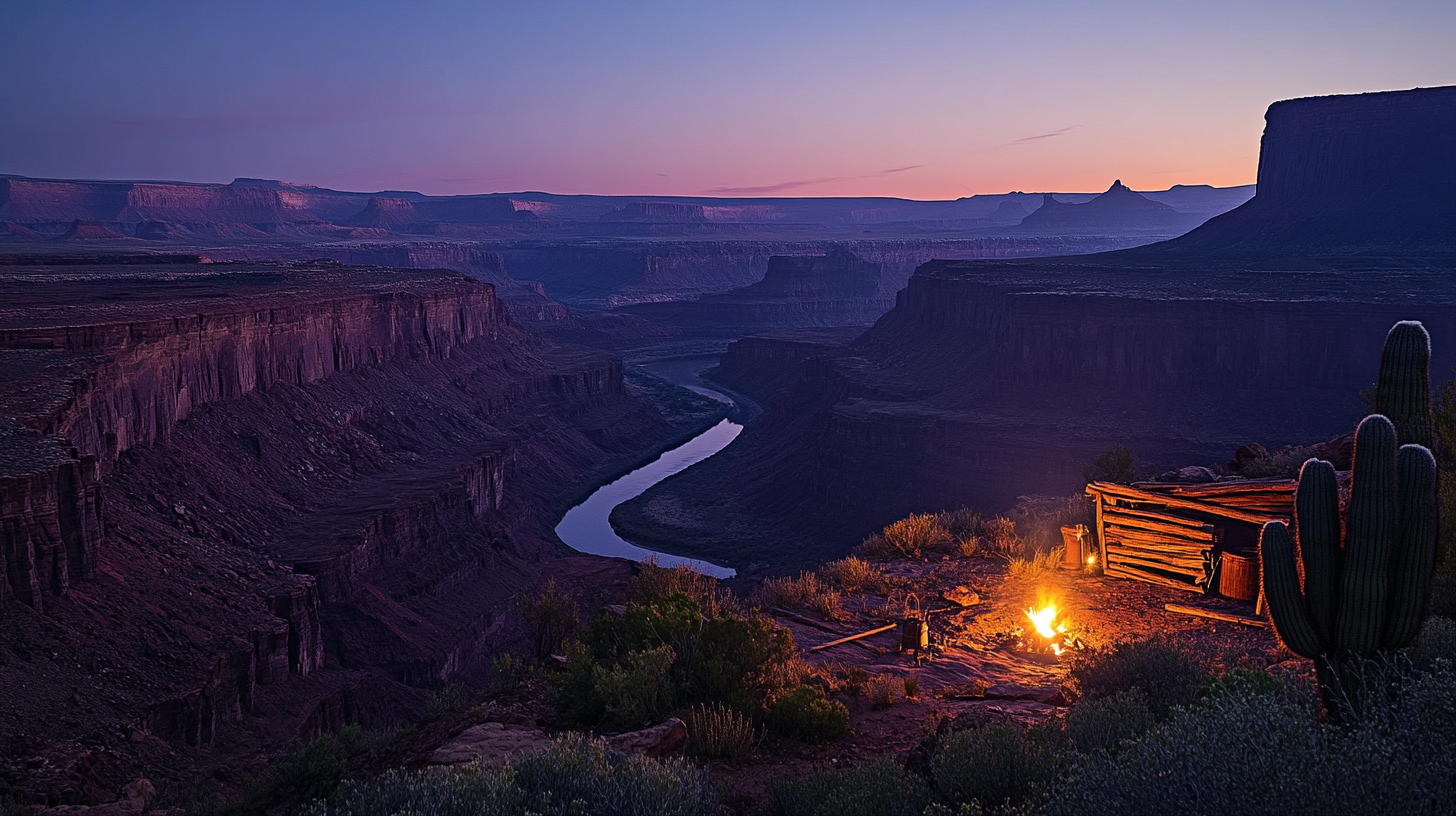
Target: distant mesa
{"x":662,"y":211}
{"x":1363,"y":174}
{"x":91,"y":231}
{"x":1117,"y":209}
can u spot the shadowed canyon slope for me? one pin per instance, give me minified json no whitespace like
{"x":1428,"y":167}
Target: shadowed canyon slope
{"x":241,"y":503}
{"x":993,"y":379}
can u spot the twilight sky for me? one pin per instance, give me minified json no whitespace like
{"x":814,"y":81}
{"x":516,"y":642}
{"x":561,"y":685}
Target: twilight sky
{"x":914,"y":99}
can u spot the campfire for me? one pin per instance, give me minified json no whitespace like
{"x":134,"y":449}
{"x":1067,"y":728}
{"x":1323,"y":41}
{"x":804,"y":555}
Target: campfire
{"x":1048,"y":631}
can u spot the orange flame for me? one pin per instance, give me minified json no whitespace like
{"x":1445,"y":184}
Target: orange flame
{"x":1044,"y":621}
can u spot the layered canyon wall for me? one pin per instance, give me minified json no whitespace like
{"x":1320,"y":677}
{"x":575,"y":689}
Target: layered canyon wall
{"x":270,"y":498}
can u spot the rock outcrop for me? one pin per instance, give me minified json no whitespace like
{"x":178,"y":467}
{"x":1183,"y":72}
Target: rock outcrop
{"x":1359,"y":180}
{"x":1117,"y":210}
{"x":244,"y":503}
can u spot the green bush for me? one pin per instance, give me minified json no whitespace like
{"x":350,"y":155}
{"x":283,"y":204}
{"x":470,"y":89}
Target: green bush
{"x":552,"y":617}
{"x":877,"y":788}
{"x":573,"y":776}
{"x":635,"y":694}
{"x":717,"y":656}
{"x":1115,"y":464}
{"x":1104,"y":723}
{"x":808,"y":715}
{"x":996,"y":766}
{"x":1252,"y":751}
{"x":1436,"y":642}
{"x":449,"y":699}
{"x":1168,"y":672}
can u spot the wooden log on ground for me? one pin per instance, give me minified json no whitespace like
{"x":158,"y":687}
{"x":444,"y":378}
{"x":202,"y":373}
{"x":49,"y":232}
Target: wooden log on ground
{"x":853,"y":638}
{"x":1246,"y":620}
{"x":1168,"y":500}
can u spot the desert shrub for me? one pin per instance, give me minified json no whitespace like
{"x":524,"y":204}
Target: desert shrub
{"x":449,"y":699}
{"x":1167,"y":672}
{"x":961,"y":523}
{"x":720,"y":657}
{"x":855,"y":679}
{"x":656,"y":584}
{"x":1103,"y":723}
{"x":788,"y":591}
{"x":912,"y":686}
{"x":1115,"y":464}
{"x":719,"y":732}
{"x":1001,"y":533}
{"x":827,"y":604}
{"x":552,"y":616}
{"x":851,"y":574}
{"x":1437,"y":642}
{"x":995,"y":766}
{"x":634,"y":694}
{"x":883,"y":689}
{"x":507,"y":672}
{"x":1251,"y":749}
{"x":1035,"y":566}
{"x":877,"y":788}
{"x":808,"y":715}
{"x":573,"y":776}
{"x":913,"y":535}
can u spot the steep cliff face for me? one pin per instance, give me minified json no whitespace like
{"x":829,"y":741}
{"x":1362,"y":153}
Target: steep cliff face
{"x":604,"y":273}
{"x":242,"y":503}
{"x":837,"y":289}
{"x":994,"y":379}
{"x":1364,"y":175}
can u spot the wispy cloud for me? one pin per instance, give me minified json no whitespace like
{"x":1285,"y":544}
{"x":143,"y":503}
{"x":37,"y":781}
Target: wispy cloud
{"x":1041,"y":136}
{"x":797,"y":183}
{"x":776,"y":188}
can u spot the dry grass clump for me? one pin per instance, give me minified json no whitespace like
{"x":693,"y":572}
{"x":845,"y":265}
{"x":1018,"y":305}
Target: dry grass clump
{"x":655,"y":582}
{"x":827,"y":604}
{"x":912,"y":686}
{"x":851,"y":574}
{"x":1040,"y":519}
{"x":719,"y":732}
{"x":883,"y":689}
{"x":1034,"y":566}
{"x":1001,"y":533}
{"x":913,"y":535}
{"x":790,"y":591}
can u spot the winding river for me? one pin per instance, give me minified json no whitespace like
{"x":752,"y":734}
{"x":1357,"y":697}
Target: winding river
{"x":587,"y":527}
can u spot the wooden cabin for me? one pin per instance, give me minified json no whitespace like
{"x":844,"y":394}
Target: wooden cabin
{"x":1177,"y":535}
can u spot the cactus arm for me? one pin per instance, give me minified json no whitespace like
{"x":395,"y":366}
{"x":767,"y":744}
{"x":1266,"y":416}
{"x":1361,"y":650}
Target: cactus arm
{"x":1370,"y":529}
{"x":1281,"y":590}
{"x":1403,"y":390}
{"x":1415,"y":557}
{"x":1317,"y":519}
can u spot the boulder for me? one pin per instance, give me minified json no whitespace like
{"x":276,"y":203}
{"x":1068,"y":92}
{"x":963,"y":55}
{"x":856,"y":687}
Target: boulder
{"x":490,"y":743}
{"x":133,"y":802}
{"x":656,"y":742}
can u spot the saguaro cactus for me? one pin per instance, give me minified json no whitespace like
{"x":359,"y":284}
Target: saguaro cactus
{"x":1367,"y":593}
{"x":1403,"y":390}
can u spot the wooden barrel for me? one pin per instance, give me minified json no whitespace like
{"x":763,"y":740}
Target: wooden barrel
{"x":1238,"y":576}
{"x":1078,"y":543}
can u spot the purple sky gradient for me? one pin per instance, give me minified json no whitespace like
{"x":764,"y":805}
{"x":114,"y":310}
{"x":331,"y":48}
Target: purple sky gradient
{"x":920,"y":100}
